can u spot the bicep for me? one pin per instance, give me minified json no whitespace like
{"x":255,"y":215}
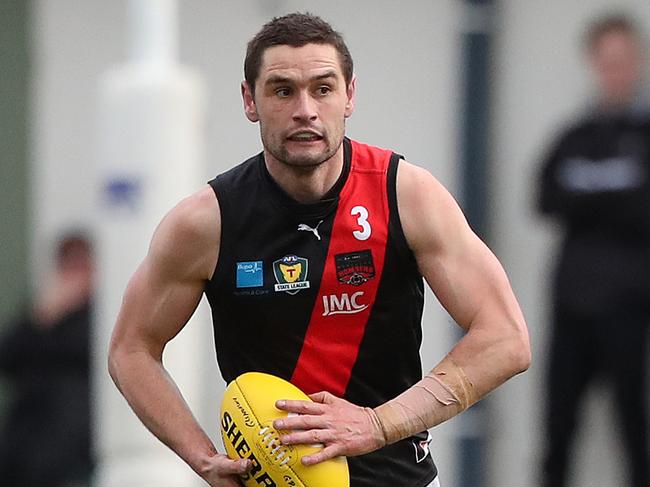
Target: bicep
{"x":168,"y":285}
{"x":467,"y":278}
{"x":154,"y":310}
{"x":462,"y":272}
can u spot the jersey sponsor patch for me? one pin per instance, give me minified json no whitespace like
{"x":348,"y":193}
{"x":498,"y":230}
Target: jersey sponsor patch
{"x":291,"y":274}
{"x":343,"y":304}
{"x":250,"y":274}
{"x":354,"y":267}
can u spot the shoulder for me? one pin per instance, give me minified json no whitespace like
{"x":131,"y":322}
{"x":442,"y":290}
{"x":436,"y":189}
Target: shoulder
{"x":427,"y":210}
{"x":242,"y":174}
{"x":187,"y":238}
{"x":418,"y":190}
{"x":577,"y":127}
{"x":565,"y":130}
{"x":195,"y":216}
{"x":368,"y":157}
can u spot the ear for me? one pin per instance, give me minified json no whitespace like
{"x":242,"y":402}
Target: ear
{"x":351,"y":93}
{"x":249,"y":102}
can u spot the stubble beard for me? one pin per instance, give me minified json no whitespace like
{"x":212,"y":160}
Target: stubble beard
{"x":306,"y":162}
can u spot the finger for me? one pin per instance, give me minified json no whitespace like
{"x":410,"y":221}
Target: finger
{"x":326,"y":453}
{"x":304,"y":422}
{"x":310,"y":437}
{"x":300,"y":407}
{"x":322,"y":397}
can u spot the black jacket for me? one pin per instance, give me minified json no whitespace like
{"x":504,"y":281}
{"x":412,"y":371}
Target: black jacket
{"x":596,"y":181}
{"x":46,"y":434}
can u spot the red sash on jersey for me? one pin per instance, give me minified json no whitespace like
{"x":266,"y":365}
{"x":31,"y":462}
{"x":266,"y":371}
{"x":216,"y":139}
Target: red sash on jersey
{"x":332,"y":342}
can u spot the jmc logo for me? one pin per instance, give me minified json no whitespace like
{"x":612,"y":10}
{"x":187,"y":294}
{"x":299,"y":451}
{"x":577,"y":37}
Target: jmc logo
{"x":344,"y":304}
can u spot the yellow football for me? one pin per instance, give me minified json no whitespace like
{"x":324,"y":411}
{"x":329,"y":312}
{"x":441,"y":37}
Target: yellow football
{"x":247,"y":414}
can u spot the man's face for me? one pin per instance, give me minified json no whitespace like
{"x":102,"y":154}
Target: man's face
{"x":301,"y":101}
{"x":616,"y":60}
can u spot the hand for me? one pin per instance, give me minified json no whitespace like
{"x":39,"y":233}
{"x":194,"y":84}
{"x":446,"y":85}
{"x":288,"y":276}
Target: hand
{"x":221,"y":471}
{"x":65,"y":291}
{"x":342,"y":427}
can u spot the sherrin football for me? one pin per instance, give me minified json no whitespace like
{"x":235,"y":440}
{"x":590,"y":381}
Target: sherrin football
{"x":247,"y":414}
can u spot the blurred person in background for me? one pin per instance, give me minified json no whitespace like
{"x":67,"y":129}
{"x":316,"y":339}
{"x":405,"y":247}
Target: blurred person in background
{"x":596,"y":182}
{"x":44,"y":356}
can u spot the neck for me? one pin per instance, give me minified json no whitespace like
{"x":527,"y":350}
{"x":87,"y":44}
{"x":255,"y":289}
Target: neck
{"x":616,"y":102}
{"x":308,"y":184}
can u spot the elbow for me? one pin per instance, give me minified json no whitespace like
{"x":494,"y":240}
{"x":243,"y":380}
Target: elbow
{"x":519,"y":350}
{"x":114,"y":361}
{"x":522,"y":360}
{"x":126,"y":355}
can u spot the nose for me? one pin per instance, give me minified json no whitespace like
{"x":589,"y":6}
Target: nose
{"x":305,"y":108}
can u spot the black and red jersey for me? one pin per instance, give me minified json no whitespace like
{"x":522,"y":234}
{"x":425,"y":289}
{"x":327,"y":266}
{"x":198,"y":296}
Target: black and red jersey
{"x":326,"y":295}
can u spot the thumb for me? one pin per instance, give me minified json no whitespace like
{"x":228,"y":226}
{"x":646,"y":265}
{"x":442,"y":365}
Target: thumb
{"x":233,"y":467}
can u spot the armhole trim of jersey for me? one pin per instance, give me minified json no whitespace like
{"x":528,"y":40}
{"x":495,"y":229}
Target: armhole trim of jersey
{"x":213,"y":184}
{"x":395,"y":222}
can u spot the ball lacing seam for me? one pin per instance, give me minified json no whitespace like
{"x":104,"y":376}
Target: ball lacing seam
{"x":272,"y":441}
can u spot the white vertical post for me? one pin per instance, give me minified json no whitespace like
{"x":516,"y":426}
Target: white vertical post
{"x":151,"y":131}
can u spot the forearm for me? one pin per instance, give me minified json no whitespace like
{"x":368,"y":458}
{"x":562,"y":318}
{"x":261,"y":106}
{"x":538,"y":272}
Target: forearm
{"x":489,"y":356}
{"x":157,"y":401}
{"x":478,"y":364}
{"x":472,"y":286}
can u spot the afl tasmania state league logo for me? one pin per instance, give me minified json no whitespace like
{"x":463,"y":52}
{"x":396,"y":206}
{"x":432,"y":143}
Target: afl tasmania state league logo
{"x":291,"y":274}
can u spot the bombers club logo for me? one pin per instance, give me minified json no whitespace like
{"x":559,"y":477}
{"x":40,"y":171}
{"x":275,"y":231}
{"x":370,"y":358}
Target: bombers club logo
{"x":291,"y":274}
{"x":354,"y":267}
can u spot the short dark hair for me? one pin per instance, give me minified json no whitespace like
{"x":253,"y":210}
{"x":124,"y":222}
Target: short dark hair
{"x":606,"y":25}
{"x":297,"y":30}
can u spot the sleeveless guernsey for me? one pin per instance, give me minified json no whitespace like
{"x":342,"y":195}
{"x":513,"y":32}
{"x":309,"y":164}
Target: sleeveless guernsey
{"x":325,"y":295}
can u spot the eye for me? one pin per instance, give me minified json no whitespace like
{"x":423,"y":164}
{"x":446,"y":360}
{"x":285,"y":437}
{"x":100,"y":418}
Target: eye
{"x":283,"y":92}
{"x":323,"y":90}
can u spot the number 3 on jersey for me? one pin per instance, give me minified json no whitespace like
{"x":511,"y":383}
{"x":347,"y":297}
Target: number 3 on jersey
{"x":362,"y":221}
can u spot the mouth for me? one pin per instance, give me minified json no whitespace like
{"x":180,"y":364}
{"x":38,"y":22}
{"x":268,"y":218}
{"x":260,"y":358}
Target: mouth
{"x":305,"y":136}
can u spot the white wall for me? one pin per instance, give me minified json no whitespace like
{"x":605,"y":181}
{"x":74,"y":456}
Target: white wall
{"x":541,"y":81}
{"x":73,"y":42}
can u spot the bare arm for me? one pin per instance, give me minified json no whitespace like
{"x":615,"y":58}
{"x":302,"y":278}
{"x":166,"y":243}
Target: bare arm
{"x":473,"y":287}
{"x":467,"y":279}
{"x":159,"y":300}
